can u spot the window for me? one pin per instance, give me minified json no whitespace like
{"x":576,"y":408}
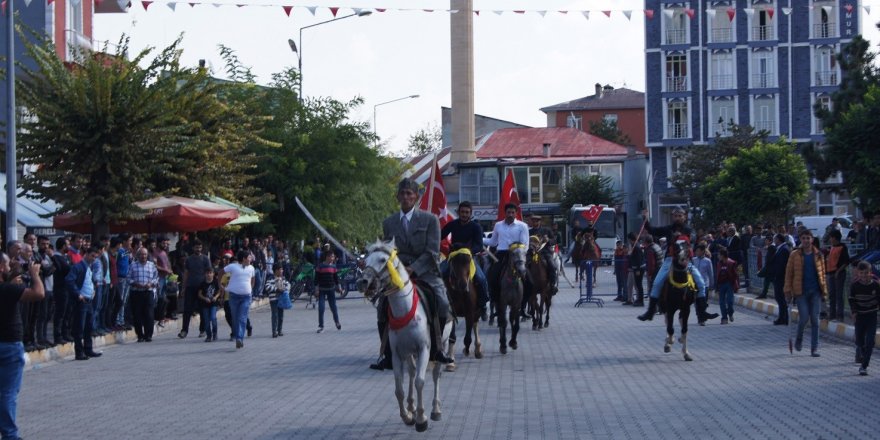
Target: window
{"x":612,"y":170}
{"x":479,"y":186}
{"x":825,"y":67}
{"x":74,"y":33}
{"x":824,"y":102}
{"x":721,"y":30}
{"x":538,"y":184}
{"x":764,"y":109}
{"x":763,"y":69}
{"x":574,"y":122}
{"x":721,"y":67}
{"x":722,"y":112}
{"x":676,"y":73}
{"x":822,"y":17}
{"x":676,"y":25}
{"x":610,"y":117}
{"x":673,"y":161}
{"x":677,"y":120}
{"x":762,"y":24}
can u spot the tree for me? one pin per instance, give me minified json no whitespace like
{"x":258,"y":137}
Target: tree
{"x":585,"y":190}
{"x":699,"y":163}
{"x":425,"y":140}
{"x":607,"y":129}
{"x":107,"y":131}
{"x":764,"y":181}
{"x":848,"y":149}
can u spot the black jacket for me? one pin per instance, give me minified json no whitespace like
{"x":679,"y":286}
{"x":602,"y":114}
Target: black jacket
{"x":780,"y":261}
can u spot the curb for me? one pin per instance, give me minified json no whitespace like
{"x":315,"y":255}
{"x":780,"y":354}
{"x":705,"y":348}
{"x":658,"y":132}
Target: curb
{"x":37,"y":359}
{"x":769,"y":307}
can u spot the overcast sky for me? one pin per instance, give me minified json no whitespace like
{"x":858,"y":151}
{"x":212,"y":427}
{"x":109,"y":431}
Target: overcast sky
{"x":522,"y":62}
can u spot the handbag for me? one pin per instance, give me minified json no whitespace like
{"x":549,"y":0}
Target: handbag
{"x":284,"y":301}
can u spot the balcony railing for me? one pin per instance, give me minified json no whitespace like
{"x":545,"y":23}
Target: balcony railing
{"x":722,"y":82}
{"x":722,"y":129}
{"x":768,"y":125}
{"x":824,"y":30}
{"x":722,"y":35}
{"x":676,"y":36}
{"x":826,"y":78}
{"x":762,"y":33}
{"x":677,"y":131}
{"x":763,"y":80}
{"x":676,"y":84}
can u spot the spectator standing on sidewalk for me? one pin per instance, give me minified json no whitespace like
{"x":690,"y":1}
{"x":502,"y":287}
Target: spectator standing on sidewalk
{"x":209,"y":296}
{"x":61,"y":315}
{"x":326,"y":285}
{"x":864,"y":299}
{"x":835,"y":266}
{"x":101,"y":273}
{"x":193,"y":276}
{"x":620,"y":272}
{"x":81,"y":289}
{"x":11,"y":347}
{"x":143,"y":277}
{"x":122,"y":311}
{"x":163,"y":265}
{"x":766,"y":272}
{"x":44,"y":307}
{"x":805,"y":283}
{"x":635,"y":265}
{"x":275,"y":286}
{"x":241,"y":285}
{"x":777,"y":268}
{"x":726,"y":284}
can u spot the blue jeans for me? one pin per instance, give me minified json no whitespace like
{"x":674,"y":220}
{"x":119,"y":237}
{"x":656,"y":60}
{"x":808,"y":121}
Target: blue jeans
{"x":663,"y":274}
{"x":725,"y":299}
{"x":209,"y":317}
{"x":239,"y":305}
{"x":123,"y":287}
{"x":83,"y":321}
{"x":277,"y":316}
{"x":98,"y":304}
{"x":258,"y":283}
{"x":11,"y":370}
{"x":808,"y":306}
{"x":330,"y":294}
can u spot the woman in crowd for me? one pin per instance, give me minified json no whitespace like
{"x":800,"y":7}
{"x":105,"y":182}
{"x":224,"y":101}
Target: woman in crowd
{"x":241,"y":284}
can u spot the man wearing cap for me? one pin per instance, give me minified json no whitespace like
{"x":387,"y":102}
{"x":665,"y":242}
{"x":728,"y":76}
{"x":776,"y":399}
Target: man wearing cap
{"x":416,"y":234}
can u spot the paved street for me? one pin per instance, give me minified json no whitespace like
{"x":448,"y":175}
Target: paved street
{"x":595,"y":373}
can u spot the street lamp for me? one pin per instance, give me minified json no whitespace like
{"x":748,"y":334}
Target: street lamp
{"x":11,"y":178}
{"x":298,"y":50}
{"x":375,"y":138}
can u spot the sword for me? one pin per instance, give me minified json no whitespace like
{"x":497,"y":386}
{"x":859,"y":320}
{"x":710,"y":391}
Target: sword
{"x":322,"y":230}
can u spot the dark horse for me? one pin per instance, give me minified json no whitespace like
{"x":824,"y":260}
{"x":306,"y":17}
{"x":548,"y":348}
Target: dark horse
{"x":462,"y":294}
{"x":541,"y":297}
{"x":679,"y":292}
{"x":510,"y":294}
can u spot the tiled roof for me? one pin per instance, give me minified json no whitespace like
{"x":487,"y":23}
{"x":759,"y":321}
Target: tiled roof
{"x":521,"y":143}
{"x":610,"y":99}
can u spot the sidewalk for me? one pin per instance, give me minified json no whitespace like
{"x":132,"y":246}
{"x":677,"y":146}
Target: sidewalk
{"x":769,"y":307}
{"x":40,"y":358}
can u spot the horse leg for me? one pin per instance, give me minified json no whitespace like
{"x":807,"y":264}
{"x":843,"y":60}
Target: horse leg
{"x":410,"y":400}
{"x":478,"y":346}
{"x":683,"y":317}
{"x":450,"y":346}
{"x":546,"y":306}
{"x":493,"y":312}
{"x":502,"y":328}
{"x":421,"y":368}
{"x":405,"y":413}
{"x":670,"y":331}
{"x":468,"y":324}
{"x":436,"y":415}
{"x":536,"y":311}
{"x":514,"y":327}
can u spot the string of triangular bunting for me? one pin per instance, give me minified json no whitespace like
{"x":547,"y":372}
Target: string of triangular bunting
{"x":627,"y":13}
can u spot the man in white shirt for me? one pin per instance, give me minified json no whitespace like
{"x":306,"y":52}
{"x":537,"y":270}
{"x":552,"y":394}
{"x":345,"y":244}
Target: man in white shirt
{"x":505,"y":233}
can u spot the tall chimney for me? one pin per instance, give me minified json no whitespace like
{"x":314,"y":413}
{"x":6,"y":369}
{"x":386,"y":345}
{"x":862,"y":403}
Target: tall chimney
{"x":546,"y":150}
{"x":462,"y":45}
{"x":598,"y":90}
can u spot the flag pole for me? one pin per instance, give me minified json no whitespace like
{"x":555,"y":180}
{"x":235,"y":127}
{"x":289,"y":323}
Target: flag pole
{"x":431,"y":185}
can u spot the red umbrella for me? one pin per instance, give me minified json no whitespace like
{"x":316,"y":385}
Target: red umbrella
{"x":163,"y":214}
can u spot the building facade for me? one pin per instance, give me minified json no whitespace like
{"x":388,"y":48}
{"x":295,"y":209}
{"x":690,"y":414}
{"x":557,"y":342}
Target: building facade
{"x":764,"y":63}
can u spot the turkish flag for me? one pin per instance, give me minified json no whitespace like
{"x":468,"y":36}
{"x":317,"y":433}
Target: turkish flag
{"x":438,"y":200}
{"x":731,"y":13}
{"x":509,"y":195}
{"x":592,"y":214}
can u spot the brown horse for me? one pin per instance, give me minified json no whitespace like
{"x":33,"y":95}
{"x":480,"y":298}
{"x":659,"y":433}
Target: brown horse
{"x":540,"y":298}
{"x":462,"y":294}
{"x":577,"y":255}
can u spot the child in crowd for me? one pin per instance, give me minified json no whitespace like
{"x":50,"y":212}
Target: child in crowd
{"x":703,"y":263}
{"x":864,"y":298}
{"x":326,"y":284}
{"x":209,"y":296}
{"x":275,"y":286}
{"x":726,"y":283}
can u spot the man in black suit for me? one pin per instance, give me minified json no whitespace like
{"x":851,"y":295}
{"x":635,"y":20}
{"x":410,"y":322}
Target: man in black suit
{"x":416,"y":235}
{"x":777,"y":271}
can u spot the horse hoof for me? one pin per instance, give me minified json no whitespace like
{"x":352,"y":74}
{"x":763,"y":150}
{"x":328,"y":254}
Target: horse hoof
{"x":478,"y":353}
{"x":546,"y":324}
{"x":503,"y":350}
{"x":514,"y":345}
{"x":450,"y":367}
{"x":410,"y":421}
{"x":667,"y":349}
{"x":466,"y":352}
{"x":422,"y":427}
{"x":436,"y":416}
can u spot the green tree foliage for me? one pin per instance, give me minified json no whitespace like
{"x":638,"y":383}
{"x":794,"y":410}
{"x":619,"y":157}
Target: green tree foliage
{"x":107,"y":129}
{"x":851,"y":149}
{"x":608,"y":130}
{"x":587,"y":190}
{"x":765,"y":181}
{"x":699,"y":163}
{"x":426,"y":140}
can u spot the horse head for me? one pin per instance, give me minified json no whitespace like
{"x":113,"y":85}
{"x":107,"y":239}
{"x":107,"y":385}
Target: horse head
{"x":516,"y":259}
{"x":383,"y":272}
{"x":681,"y":256}
{"x":461,"y":268}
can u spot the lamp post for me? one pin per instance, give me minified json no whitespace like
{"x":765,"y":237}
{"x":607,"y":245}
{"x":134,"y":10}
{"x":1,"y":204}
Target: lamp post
{"x":375,"y":137}
{"x":11,"y":185}
{"x":298,"y":50}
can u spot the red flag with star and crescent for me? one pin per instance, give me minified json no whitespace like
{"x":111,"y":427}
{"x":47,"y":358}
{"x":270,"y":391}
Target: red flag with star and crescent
{"x":509,"y":195}
{"x":592,"y":213}
{"x":436,"y":196}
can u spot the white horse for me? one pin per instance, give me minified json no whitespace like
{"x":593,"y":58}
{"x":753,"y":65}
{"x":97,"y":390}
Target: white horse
{"x":408,"y":329}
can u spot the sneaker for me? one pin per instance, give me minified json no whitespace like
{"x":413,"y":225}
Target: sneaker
{"x":619,"y":299}
{"x":181,"y":335}
{"x":214,"y":339}
{"x":815,"y":353}
{"x":209,"y":339}
{"x":723,"y":321}
{"x":274,"y":335}
{"x":320,"y":329}
{"x":280,"y":334}
{"x":730,"y":318}
{"x":201,"y":334}
{"x":863,"y":371}
{"x":238,"y":344}
{"x":338,"y":326}
{"x":250,"y":331}
{"x":798,"y":344}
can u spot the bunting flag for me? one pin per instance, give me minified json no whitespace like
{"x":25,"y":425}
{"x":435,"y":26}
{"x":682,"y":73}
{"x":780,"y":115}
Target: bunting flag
{"x":848,"y":7}
{"x":509,"y":195}
{"x":542,"y":13}
{"x":690,"y":13}
{"x":498,"y":12}
{"x":287,"y":10}
{"x":381,"y":9}
{"x":867,"y":9}
{"x":434,"y":199}
{"x":649,"y":13}
{"x":312,"y":9}
{"x":586,"y":14}
{"x":519,"y":12}
{"x":770,"y":12}
{"x":607,"y":13}
{"x":628,"y":15}
{"x":731,"y":13}
{"x":334,"y":11}
{"x":562,"y":12}
{"x":28,"y":2}
{"x":146,"y":4}
{"x":172,"y":6}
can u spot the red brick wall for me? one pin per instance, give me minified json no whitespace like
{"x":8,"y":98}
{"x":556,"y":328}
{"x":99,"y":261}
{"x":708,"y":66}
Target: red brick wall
{"x":631,"y":121}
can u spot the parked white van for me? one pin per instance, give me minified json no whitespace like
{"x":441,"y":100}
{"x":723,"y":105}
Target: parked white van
{"x":818,"y":223}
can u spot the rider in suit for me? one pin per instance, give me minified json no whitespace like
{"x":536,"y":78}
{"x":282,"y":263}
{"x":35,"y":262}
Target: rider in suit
{"x":416,"y":235}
